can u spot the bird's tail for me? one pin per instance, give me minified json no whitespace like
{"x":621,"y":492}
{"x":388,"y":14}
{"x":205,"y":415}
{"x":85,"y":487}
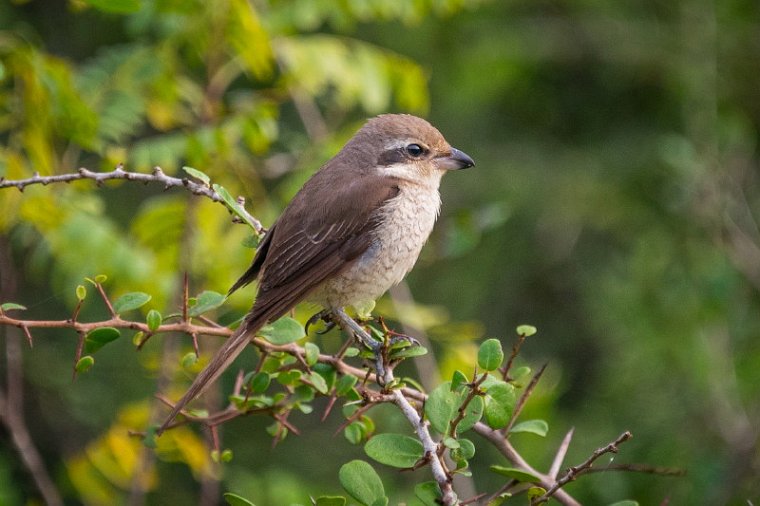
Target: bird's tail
{"x":235,"y":344}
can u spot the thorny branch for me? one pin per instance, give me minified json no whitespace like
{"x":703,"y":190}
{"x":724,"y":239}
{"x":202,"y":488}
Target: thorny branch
{"x":408,"y":400}
{"x":576,"y":471}
{"x":157,"y":176}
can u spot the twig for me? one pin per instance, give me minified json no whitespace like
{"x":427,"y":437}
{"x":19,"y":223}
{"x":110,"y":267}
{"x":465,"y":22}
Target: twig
{"x":576,"y":471}
{"x":497,"y":439}
{"x":524,"y":398}
{"x":421,"y":427}
{"x":157,"y":176}
{"x":515,"y":351}
{"x":561,"y":453}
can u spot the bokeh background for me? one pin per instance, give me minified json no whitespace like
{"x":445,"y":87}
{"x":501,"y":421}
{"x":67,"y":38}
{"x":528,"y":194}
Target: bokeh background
{"x":614,"y":206}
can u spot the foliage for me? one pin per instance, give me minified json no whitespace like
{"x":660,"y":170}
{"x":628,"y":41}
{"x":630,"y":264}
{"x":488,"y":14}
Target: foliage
{"x":614,"y":204}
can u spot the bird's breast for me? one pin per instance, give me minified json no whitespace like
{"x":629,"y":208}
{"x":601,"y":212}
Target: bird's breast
{"x":404,"y":225}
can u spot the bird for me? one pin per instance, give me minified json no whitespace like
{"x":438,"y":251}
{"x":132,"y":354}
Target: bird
{"x":354,"y":230}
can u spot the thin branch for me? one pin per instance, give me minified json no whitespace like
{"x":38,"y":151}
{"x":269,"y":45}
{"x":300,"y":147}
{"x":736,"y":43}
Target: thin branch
{"x":576,"y":471}
{"x":524,"y":398}
{"x":421,"y":427}
{"x":561,"y":453}
{"x":497,"y":439}
{"x":157,"y":176}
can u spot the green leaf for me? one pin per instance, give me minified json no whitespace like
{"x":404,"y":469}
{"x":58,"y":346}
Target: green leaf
{"x":197,"y":174}
{"x":206,"y":301}
{"x":362,"y":483}
{"x":538,"y":427}
{"x":311,"y":353}
{"x":130,"y":301}
{"x":260,"y":382}
{"x":472,"y":414}
{"x":536,"y":492}
{"x":490,"y":355}
{"x":458,"y":379}
{"x":332,"y":500}
{"x":345,"y":384}
{"x":441,"y":407}
{"x":516,"y":474}
{"x":84,"y":364}
{"x":409,"y":352}
{"x":227,"y":455}
{"x":396,"y":450}
{"x":354,"y":433}
{"x":8,"y":306}
{"x":500,"y":402}
{"x":233,"y":205}
{"x":189,"y":360}
{"x":138,"y":337}
{"x":283,"y":331}
{"x":236,"y":500}
{"x":526,"y":330}
{"x":626,"y":502}
{"x":97,"y":338}
{"x":318,"y":381}
{"x":465,"y":451}
{"x":428,"y":492}
{"x":81,"y":292}
{"x":450,"y":442}
{"x":115,"y":6}
{"x":153,"y":319}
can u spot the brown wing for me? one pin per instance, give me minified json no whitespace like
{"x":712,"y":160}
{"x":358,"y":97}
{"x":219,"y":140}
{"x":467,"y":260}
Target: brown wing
{"x":312,"y":242}
{"x":308,"y":244}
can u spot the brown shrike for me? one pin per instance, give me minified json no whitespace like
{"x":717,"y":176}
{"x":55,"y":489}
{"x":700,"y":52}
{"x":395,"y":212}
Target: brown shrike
{"x":354,"y":230}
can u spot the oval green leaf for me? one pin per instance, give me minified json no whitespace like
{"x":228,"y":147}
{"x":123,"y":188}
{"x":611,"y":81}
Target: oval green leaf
{"x":490,"y":355}
{"x":130,"y":301}
{"x":472,"y":414}
{"x":153,"y":319}
{"x":428,"y":493}
{"x":206,"y":301}
{"x":81,"y":292}
{"x":441,"y":407}
{"x":465,"y":451}
{"x":526,"y":330}
{"x":458,"y":379}
{"x":311,"y":354}
{"x":345,"y":384}
{"x":283,"y":331}
{"x":500,"y":403}
{"x":516,"y":474}
{"x":318,"y":381}
{"x":396,"y":450}
{"x":260,"y":382}
{"x":362,"y":483}
{"x":7,"y":306}
{"x":84,"y":364}
{"x":537,"y":427}
{"x":197,"y":174}
{"x":98,"y":338}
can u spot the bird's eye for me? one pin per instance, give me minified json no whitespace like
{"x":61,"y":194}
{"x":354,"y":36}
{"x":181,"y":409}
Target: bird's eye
{"x":415,"y":150}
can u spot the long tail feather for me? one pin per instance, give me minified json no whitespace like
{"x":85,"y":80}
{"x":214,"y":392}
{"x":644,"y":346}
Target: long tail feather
{"x":224,"y":357}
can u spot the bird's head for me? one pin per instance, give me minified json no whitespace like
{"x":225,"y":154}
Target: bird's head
{"x":408,"y":147}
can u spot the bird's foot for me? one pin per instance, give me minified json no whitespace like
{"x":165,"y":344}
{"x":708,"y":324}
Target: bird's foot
{"x":326,"y":316}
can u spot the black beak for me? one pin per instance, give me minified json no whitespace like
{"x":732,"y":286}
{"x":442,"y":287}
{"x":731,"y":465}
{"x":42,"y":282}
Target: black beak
{"x":455,"y":160}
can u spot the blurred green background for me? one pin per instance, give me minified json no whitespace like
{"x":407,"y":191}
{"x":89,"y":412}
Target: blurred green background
{"x":614,"y":205}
